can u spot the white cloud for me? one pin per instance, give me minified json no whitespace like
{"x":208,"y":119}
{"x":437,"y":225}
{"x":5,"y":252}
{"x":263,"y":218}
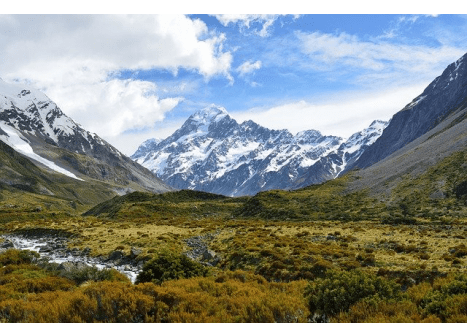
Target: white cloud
{"x":129,"y":142}
{"x":248,"y":67}
{"x":246,"y":20}
{"x":110,"y":108}
{"x":375,"y":60}
{"x":340,"y":115}
{"x":118,"y":41}
{"x":74,"y":59}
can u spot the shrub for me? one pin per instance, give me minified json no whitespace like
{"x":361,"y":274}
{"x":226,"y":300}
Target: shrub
{"x":167,"y":266}
{"x":80,"y":273}
{"x":340,"y":290}
{"x":17,"y":257}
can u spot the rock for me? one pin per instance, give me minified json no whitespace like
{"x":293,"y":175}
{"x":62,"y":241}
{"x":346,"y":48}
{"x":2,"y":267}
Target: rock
{"x":331,"y":237}
{"x":45,"y":249}
{"x":70,"y":266}
{"x":86,"y":251}
{"x":60,"y":253}
{"x":7,"y":244}
{"x":215,"y":261}
{"x":135,"y":252}
{"x":437,"y":195}
{"x":115,"y":255}
{"x":75,"y":252}
{"x":209,"y":255}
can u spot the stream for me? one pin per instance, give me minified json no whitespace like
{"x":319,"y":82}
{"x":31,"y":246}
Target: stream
{"x":54,"y":249}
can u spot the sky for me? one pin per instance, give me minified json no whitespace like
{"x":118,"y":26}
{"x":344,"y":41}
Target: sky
{"x":129,"y":78}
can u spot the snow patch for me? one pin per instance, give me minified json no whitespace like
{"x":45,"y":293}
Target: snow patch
{"x":14,"y":140}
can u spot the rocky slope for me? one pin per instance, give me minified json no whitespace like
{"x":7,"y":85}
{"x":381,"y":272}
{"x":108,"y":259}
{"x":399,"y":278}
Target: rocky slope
{"x":212,"y":152}
{"x":35,"y":127}
{"x":446,"y":94}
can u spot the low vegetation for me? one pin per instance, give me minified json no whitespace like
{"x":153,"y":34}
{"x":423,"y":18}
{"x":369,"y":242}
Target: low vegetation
{"x":316,"y":254}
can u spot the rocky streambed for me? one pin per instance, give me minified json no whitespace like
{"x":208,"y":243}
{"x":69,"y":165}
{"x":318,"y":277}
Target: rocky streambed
{"x":53,"y":248}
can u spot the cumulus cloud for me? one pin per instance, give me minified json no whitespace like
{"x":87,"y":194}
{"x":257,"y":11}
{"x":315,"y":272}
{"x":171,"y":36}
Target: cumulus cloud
{"x":75,"y":60}
{"x":118,"y":41}
{"x":245,"y":21}
{"x":340,"y":115}
{"x":248,"y":67}
{"x":111,"y":107}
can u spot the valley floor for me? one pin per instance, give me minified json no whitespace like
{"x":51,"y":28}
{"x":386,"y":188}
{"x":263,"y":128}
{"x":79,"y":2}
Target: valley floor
{"x":257,"y":271}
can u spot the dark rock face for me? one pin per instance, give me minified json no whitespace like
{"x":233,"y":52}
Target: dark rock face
{"x":212,"y":152}
{"x":443,"y":96}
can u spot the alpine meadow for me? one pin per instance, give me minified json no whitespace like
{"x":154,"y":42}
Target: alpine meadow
{"x":233,"y":168}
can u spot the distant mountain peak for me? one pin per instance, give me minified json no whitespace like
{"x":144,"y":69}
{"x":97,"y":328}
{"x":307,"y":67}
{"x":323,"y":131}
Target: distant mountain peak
{"x":212,"y":152}
{"x":378,"y":124}
{"x":209,"y":114}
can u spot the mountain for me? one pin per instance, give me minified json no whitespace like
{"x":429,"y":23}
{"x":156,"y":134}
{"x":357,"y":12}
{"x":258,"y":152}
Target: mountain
{"x":443,"y":96}
{"x":212,"y":152}
{"x":426,"y":172}
{"x":35,"y":127}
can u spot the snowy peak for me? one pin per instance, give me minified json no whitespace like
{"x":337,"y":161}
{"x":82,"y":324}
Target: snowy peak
{"x":34,"y":126}
{"x":30,"y":110}
{"x":212,"y":152}
{"x":365,"y":137}
{"x":209,"y":115}
{"x":378,"y":125}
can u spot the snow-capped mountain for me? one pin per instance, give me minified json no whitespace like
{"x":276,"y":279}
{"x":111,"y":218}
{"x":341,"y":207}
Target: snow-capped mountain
{"x":212,"y":152}
{"x":34,"y":126}
{"x":334,"y":163}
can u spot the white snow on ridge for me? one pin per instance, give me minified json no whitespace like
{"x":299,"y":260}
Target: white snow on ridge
{"x":199,"y":154}
{"x":25,"y":99}
{"x":412,"y":104}
{"x":14,"y":140}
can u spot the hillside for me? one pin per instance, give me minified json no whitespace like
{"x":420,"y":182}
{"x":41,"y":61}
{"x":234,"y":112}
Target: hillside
{"x":46,"y":154}
{"x":443,"y":96}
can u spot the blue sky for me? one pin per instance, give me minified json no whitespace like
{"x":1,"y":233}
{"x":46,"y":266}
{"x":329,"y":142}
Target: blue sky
{"x":130,"y":78}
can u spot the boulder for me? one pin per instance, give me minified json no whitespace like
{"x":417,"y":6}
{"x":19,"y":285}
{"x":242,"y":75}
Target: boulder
{"x":45,"y":249}
{"x":70,"y":266}
{"x":209,"y":255}
{"x":86,"y":251}
{"x":7,"y":244}
{"x":116,"y":255}
{"x":135,"y":252}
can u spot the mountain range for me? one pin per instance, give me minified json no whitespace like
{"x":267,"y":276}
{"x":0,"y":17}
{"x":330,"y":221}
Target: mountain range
{"x":44,"y":152}
{"x":213,"y":152}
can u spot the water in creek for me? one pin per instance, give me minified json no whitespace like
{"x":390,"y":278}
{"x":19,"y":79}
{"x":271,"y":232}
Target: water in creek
{"x":54,"y":249}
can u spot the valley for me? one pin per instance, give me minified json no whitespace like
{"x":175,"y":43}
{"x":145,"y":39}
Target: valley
{"x":276,"y":239}
{"x":234,"y":222}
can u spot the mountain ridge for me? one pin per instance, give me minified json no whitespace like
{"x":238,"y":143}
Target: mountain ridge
{"x":212,"y":152}
{"x":445,"y":94}
{"x":35,"y":127}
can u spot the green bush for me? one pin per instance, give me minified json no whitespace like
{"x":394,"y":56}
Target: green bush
{"x":337,"y":292}
{"x":82,"y":273}
{"x":17,"y":257}
{"x":167,"y":266}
